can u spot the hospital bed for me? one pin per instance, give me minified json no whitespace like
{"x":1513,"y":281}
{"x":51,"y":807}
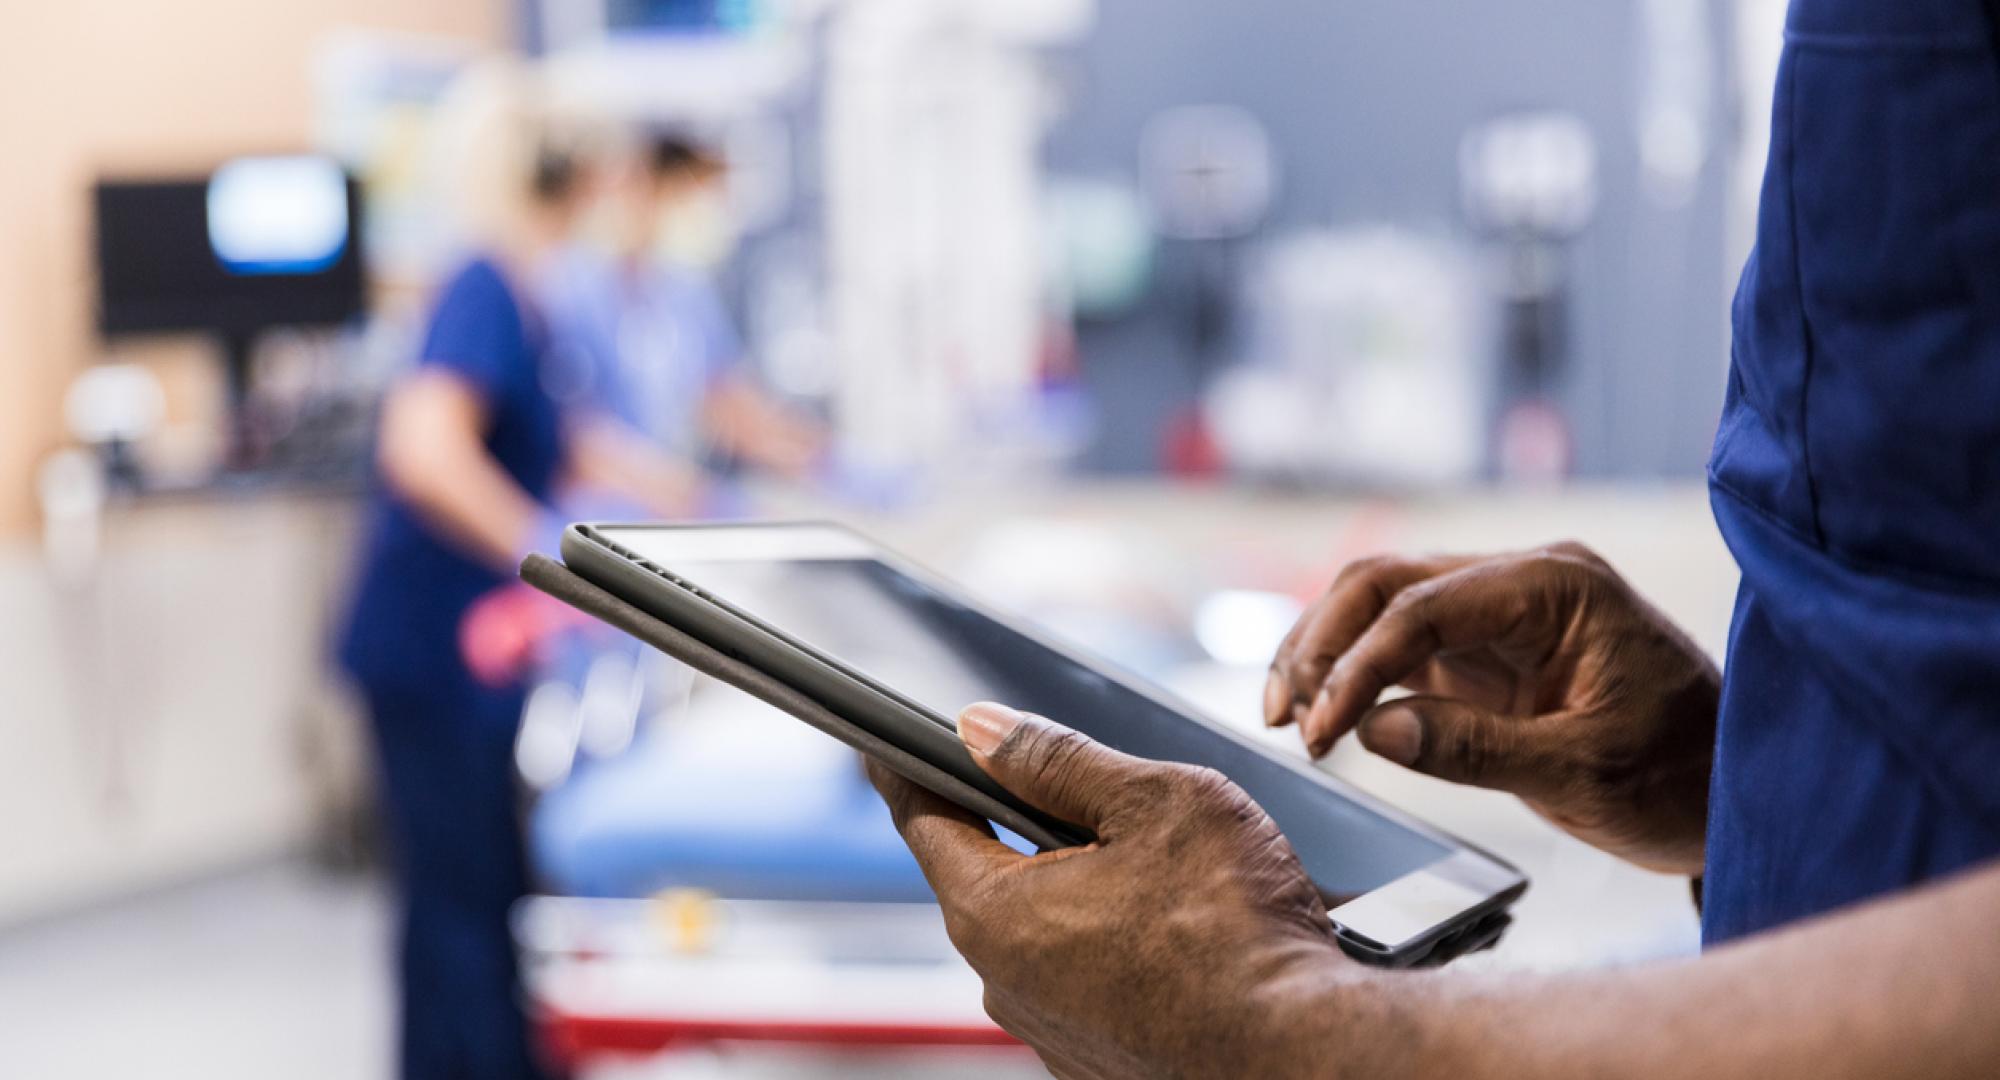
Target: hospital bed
{"x":725,"y":883}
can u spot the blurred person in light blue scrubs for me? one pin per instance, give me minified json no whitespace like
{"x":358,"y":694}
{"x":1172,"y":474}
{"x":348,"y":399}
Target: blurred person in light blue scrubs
{"x":476,"y":442}
{"x":638,"y":312}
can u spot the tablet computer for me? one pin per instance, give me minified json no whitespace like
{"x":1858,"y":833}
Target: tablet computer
{"x":880,"y":645}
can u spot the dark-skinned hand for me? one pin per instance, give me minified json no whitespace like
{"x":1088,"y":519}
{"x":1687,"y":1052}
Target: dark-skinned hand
{"x":1180,"y":944}
{"x":1541,"y":673}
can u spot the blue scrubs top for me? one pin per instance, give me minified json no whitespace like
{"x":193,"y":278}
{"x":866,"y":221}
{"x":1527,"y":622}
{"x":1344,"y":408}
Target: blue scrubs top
{"x":647,"y":345}
{"x":643,"y":345}
{"x":1856,"y":474}
{"x":416,"y":585}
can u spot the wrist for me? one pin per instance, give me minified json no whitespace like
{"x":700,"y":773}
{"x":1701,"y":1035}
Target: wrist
{"x":1338,"y":1019}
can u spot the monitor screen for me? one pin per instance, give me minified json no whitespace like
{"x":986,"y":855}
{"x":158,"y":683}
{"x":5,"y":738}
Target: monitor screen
{"x":261,"y":242}
{"x":679,"y":16}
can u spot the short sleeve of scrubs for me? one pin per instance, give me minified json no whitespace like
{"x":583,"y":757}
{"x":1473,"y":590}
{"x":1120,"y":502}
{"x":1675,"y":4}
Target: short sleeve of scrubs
{"x":416,"y":583}
{"x":477,"y":333}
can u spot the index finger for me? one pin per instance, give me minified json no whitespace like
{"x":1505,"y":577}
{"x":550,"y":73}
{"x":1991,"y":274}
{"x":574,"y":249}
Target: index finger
{"x":955,"y":848}
{"x":1483,"y":604}
{"x":1357,"y":597}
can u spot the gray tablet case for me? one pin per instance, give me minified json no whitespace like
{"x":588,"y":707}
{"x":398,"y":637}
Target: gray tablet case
{"x":560,"y":582}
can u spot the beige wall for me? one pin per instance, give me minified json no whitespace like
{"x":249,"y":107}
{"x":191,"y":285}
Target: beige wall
{"x":87,"y":85}
{"x":169,"y":715}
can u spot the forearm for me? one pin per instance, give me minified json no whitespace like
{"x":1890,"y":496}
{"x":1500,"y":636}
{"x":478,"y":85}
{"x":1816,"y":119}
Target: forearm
{"x":608,"y":457}
{"x":750,"y":427}
{"x":432,"y":457}
{"x":475,"y":503}
{"x":1907,"y":987}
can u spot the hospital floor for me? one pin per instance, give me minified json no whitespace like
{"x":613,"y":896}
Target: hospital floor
{"x":280,"y":971}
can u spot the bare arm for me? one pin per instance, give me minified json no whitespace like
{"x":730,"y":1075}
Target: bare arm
{"x":607,"y":456}
{"x":1188,"y":942}
{"x":432,"y":454}
{"x":746,"y":422}
{"x":1909,"y":986}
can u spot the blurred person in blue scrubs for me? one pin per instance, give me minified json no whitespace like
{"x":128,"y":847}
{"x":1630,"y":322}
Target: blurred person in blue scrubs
{"x":476,"y":442}
{"x":637,"y":308}
{"x":1833,"y":793}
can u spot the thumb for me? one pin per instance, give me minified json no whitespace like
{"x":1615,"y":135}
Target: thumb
{"x":1052,"y":768}
{"x":1465,"y":744}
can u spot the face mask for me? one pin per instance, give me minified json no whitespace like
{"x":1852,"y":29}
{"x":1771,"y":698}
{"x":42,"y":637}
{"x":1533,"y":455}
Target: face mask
{"x":608,"y":226}
{"x":697,"y":232}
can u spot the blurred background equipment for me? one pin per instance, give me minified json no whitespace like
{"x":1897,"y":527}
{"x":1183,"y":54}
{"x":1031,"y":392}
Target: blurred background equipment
{"x":113,"y":408}
{"x":1530,"y":183}
{"x":1366,"y":370}
{"x":261,"y":243}
{"x":1364,"y":107}
{"x":934,"y":118}
{"x":1140,"y":316}
{"x":1210,"y":177}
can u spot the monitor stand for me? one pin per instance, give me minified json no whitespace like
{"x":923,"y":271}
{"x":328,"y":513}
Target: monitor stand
{"x":246,"y":448}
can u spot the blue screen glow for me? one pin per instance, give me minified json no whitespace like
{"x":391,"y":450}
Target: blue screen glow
{"x":278,"y":215}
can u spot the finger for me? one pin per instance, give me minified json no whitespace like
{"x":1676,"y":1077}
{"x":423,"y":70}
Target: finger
{"x":1052,"y":768}
{"x":1356,"y":599}
{"x":955,"y":847}
{"x":1483,"y":604}
{"x":1433,"y":679}
{"x":1452,"y":740}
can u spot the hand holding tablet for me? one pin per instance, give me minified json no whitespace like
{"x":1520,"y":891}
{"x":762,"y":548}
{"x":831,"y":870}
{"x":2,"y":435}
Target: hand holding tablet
{"x":829,"y":627}
{"x":1191,"y":905}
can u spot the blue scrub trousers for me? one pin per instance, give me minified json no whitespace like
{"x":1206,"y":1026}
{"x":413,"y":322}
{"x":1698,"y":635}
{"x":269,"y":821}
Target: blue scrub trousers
{"x":446,"y":754}
{"x":444,"y":742}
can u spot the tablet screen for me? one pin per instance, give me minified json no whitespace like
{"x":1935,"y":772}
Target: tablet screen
{"x":934,"y":649}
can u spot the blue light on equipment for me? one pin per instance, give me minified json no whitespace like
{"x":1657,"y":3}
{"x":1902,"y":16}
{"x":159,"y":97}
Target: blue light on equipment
{"x":278,"y":215}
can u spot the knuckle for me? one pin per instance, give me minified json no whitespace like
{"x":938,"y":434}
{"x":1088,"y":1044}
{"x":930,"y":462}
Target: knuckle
{"x":895,"y":793}
{"x":971,"y":922}
{"x":1200,"y":782}
{"x":1551,"y":587}
{"x":1204,"y":796}
{"x":1511,"y":607}
{"x":1574,"y":554}
{"x":1365,"y":568}
{"x":1281,"y":659}
{"x":1151,"y":788}
{"x":1308,"y":666}
{"x":1417,"y":603}
{"x":1569,"y":549}
{"x":1050,"y":763}
{"x":885,"y":781}
{"x":1292,"y":635}
{"x":1479,"y":750}
{"x":1367,"y":670}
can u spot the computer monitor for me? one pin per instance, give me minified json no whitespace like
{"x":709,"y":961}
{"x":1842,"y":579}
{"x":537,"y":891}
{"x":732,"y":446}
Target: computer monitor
{"x":262,"y":242}
{"x":679,"y":16}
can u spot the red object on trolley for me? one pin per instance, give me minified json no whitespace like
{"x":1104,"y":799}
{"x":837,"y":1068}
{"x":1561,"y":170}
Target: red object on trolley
{"x":574,"y":1039}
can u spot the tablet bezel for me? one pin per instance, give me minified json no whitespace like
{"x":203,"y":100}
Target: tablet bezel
{"x":1393,"y":925}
